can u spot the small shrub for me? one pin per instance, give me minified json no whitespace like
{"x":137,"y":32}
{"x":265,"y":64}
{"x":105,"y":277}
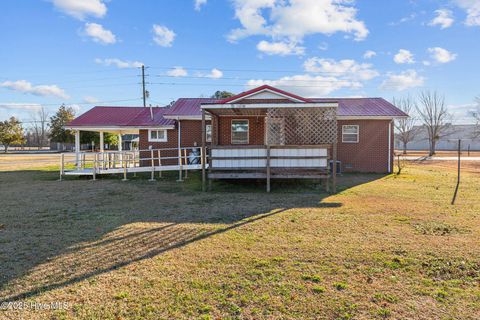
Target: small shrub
{"x":441,"y":295}
{"x":384,"y":313}
{"x":435,"y":228}
{"x":347,"y":311}
{"x":340,"y":286}
{"x":384,"y":297}
{"x":395,"y":263}
{"x":204,"y":309}
{"x":312,"y":278}
{"x":318,"y":289}
{"x":452,"y":269}
{"x":121,"y":295}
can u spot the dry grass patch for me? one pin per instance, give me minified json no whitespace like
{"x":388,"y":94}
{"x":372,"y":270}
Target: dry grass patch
{"x":384,"y":247}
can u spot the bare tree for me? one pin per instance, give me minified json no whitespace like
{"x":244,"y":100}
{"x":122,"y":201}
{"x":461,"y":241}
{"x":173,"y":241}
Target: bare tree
{"x":40,"y":126}
{"x":433,"y":113}
{"x":405,"y":127}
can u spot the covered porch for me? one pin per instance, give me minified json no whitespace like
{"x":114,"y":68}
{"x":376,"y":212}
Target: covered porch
{"x":118,"y":131}
{"x":272,"y":141}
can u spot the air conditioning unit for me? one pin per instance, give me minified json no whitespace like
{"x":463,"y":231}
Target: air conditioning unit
{"x":339,"y":166}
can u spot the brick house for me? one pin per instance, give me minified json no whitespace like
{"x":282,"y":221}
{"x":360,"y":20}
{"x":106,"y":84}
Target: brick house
{"x":364,"y":140}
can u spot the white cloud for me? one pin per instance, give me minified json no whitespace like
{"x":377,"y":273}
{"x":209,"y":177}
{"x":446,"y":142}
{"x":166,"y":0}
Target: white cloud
{"x":199,"y":4}
{"x":81,"y":8}
{"x":307,"y":85}
{"x":323,"y":76}
{"x":122,"y":64}
{"x":280,"y":48}
{"x":163,"y":36}
{"x":40,"y":90}
{"x":441,"y":55}
{"x":408,"y":18}
{"x":369,"y":54}
{"x":323,"y":46}
{"x":215,"y":74}
{"x":404,"y":56}
{"x":343,"y":68}
{"x":99,"y":34}
{"x":20,"y":106}
{"x":90,"y":99}
{"x":293,"y":20}
{"x":472,"y":7}
{"x":444,"y":19}
{"x":402,"y":81}
{"x":177,"y":72}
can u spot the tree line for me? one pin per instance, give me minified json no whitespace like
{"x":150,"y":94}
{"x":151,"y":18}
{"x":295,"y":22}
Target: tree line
{"x":44,"y":129}
{"x":428,"y":109}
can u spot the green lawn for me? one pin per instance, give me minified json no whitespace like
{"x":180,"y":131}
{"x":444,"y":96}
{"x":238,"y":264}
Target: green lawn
{"x":383,"y":247}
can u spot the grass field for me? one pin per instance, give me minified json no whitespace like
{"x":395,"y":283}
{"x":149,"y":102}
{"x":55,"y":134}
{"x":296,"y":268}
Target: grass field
{"x":383,"y":247}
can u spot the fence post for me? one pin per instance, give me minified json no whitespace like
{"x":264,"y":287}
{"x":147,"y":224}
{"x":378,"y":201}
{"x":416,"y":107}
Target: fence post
{"x":268,"y":168}
{"x":124,"y":163}
{"x":180,"y":166}
{"x":94,"y":166}
{"x":159,"y":164}
{"x":135,"y":162}
{"x":62,"y":168}
{"x":186,"y":162}
{"x":152,"y":177}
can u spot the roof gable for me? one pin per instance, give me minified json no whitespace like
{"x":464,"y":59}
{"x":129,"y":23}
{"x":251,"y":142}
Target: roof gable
{"x":264,"y":92}
{"x":121,"y":117}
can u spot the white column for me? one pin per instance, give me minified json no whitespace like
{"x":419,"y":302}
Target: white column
{"x":120,"y":156}
{"x":120,"y":142}
{"x":102,"y":144}
{"x":77,"y":148}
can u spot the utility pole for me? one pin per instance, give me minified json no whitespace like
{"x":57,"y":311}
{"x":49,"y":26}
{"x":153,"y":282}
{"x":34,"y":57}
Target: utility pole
{"x":143,"y":86}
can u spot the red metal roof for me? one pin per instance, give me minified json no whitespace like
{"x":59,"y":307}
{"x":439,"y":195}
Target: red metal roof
{"x":361,"y":107}
{"x":364,"y":107}
{"x":261,"y":88}
{"x":122,"y":117}
{"x":188,"y":106}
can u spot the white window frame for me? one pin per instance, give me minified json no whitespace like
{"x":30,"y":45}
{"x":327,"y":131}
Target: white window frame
{"x":165,"y":139}
{"x":208,"y":137}
{"x":248,"y":131}
{"x":357,"y":134}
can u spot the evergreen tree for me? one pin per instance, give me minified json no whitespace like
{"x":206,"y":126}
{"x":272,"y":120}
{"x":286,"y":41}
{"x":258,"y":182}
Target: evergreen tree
{"x":58,"y":122}
{"x":222,"y":95}
{"x":11,"y":132}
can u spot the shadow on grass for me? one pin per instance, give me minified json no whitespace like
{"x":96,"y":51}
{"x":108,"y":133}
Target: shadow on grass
{"x":53,"y":234}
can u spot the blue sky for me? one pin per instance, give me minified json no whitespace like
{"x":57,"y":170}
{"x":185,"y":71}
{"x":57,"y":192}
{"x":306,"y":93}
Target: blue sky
{"x":86,"y":53}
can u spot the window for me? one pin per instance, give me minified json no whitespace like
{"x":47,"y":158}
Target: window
{"x":157,"y":135}
{"x":208,"y":131}
{"x":239,"y":131}
{"x":350,"y":134}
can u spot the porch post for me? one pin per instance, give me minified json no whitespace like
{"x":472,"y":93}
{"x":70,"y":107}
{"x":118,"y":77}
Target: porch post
{"x":179,"y":153}
{"x":203,"y":158}
{"x":120,"y":148}
{"x":102,"y":144}
{"x":334,"y":173}
{"x":77,"y":149}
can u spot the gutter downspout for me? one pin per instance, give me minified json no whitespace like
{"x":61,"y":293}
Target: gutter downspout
{"x":390,"y":146}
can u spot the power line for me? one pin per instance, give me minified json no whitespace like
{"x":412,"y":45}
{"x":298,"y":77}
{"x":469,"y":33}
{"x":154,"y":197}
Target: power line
{"x":72,"y":103}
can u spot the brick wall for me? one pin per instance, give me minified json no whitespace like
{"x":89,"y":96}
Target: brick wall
{"x":191,"y":136}
{"x":370,"y":154}
{"x":256,"y":129}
